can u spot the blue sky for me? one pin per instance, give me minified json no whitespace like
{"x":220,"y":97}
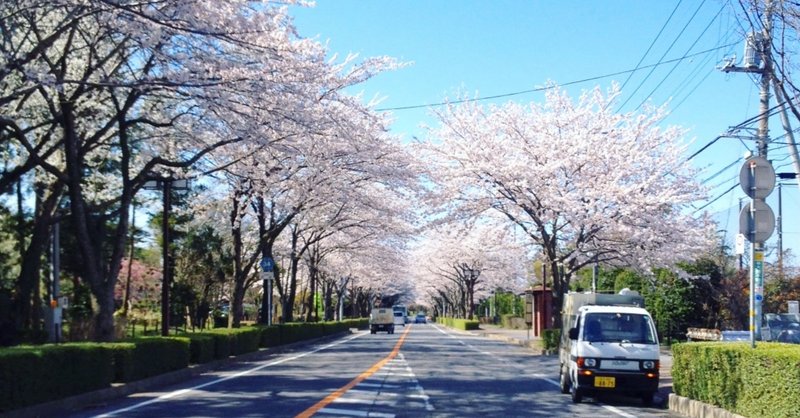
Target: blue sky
{"x":489,"y":48}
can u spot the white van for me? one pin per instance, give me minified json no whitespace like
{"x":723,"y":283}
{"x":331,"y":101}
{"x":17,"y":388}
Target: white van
{"x":399,"y":318}
{"x":608,"y":348}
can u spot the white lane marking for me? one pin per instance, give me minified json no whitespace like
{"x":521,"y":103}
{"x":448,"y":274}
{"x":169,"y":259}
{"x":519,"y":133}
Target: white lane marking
{"x":355,"y":413}
{"x":617,"y":411}
{"x":378,"y":385}
{"x":371,"y":392}
{"x":371,"y":402}
{"x":607,"y":407}
{"x":384,"y":389}
{"x":547,"y":379}
{"x":540,"y":376}
{"x":233,"y":376}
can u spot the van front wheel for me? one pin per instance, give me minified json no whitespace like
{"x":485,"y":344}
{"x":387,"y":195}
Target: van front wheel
{"x":577,"y":396}
{"x":564,"y":378}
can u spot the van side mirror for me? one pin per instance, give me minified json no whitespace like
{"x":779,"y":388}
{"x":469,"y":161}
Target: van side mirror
{"x":573,"y":333}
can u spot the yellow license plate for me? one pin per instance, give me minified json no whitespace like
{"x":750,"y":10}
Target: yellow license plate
{"x":604,"y":382}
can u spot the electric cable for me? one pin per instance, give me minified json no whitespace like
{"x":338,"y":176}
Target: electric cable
{"x":678,"y":63}
{"x":539,"y":89}
{"x":663,"y":55}
{"x":716,"y":198}
{"x":625,"y":83}
{"x":722,"y":171}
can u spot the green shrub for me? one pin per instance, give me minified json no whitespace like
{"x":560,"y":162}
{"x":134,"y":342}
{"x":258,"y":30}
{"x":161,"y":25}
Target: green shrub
{"x":292,"y":332}
{"x":359,"y":323}
{"x":223,"y":343}
{"x":122,"y":359}
{"x":458,"y":323}
{"x":752,"y":382}
{"x":201,"y":348}
{"x":247,"y":339}
{"x":270,"y":336}
{"x":31,"y":375}
{"x":550,"y":338}
{"x":150,"y":356}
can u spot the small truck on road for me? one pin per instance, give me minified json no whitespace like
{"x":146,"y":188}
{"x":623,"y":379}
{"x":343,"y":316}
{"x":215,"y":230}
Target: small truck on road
{"x":609,"y":344}
{"x":381,"y":319}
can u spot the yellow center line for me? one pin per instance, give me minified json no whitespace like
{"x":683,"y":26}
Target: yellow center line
{"x":360,"y":378}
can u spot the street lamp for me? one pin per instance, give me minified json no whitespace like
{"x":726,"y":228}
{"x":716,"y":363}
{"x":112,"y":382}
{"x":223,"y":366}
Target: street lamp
{"x":166,"y":183}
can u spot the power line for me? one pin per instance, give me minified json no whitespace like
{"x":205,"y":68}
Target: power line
{"x":663,"y":55}
{"x":652,"y":43}
{"x":539,"y":89}
{"x":716,"y":198}
{"x":722,"y":171}
{"x":687,"y":51}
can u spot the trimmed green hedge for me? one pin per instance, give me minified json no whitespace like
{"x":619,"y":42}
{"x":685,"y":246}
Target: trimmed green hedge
{"x":458,"y":323}
{"x":201,"y":348}
{"x":270,"y":336}
{"x":764,"y":381}
{"x":31,"y":375}
{"x":149,"y":356}
{"x":36,"y":374}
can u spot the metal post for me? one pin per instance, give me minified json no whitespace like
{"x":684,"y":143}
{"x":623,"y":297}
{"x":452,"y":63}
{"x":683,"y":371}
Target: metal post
{"x":741,"y":261}
{"x":269,"y":301}
{"x":779,"y":224}
{"x":56,"y":272}
{"x":595,"y":272}
{"x":166,"y":276}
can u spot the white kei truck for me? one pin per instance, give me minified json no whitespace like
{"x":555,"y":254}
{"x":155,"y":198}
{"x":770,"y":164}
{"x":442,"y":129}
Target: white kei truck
{"x":381,"y":319}
{"x":608,"y":344}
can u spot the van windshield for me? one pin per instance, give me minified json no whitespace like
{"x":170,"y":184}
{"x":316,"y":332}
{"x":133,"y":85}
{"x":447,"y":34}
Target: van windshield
{"x":618,"y":328}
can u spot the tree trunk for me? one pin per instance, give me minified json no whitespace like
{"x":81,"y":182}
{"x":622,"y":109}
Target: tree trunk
{"x":30,"y":270}
{"x":288,"y":308}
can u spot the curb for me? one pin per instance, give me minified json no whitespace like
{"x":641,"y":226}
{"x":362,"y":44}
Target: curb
{"x":119,"y":390}
{"x":696,"y":409}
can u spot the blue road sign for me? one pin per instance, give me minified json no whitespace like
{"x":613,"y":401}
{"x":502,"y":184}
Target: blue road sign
{"x":759,"y":298}
{"x":267,"y":264}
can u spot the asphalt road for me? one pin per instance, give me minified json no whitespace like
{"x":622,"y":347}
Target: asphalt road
{"x":421,"y":370}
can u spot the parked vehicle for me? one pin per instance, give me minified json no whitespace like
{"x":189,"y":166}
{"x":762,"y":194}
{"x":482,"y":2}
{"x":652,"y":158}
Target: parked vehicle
{"x":420,"y":319}
{"x":609,"y":344}
{"x":773,"y":325}
{"x":381,"y":319}
{"x":790,"y":334}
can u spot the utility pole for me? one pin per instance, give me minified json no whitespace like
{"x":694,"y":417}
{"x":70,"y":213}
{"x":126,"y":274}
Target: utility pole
{"x":757,"y":274}
{"x":757,"y":175}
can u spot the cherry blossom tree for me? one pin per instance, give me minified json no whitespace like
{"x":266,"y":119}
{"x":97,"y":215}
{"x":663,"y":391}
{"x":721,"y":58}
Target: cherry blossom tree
{"x":582,"y":183}
{"x":308,"y":185}
{"x":100,"y":96}
{"x":458,"y":265}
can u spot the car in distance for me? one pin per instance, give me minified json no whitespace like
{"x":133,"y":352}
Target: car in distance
{"x":420,"y":319}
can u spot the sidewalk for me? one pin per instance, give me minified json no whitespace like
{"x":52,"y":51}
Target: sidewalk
{"x":525,"y":338}
{"x":521,"y":337}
